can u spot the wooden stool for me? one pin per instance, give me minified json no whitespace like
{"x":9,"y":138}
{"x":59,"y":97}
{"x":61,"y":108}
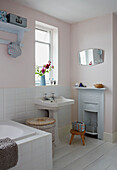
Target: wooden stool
{"x":74,"y":132}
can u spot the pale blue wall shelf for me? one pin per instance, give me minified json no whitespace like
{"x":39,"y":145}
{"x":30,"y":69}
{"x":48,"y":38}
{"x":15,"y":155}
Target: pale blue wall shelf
{"x":14,"y":29}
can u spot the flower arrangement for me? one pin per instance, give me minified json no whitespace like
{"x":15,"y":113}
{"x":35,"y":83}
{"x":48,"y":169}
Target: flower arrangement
{"x":46,"y":69}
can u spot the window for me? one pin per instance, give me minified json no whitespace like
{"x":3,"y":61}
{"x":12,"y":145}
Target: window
{"x":46,"y":48}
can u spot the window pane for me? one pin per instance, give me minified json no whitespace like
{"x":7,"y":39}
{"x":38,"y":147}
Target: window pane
{"x":41,"y":53}
{"x":42,"y":36}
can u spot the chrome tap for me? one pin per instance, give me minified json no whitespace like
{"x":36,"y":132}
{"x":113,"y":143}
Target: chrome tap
{"x":45,"y":96}
{"x":53,"y":96}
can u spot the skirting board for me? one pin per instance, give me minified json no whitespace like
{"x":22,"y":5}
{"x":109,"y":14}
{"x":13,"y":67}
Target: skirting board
{"x":64,"y":132}
{"x":110,"y":137}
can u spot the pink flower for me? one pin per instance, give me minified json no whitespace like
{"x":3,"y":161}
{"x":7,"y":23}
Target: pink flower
{"x":49,"y":62}
{"x":90,"y":63}
{"x":47,"y":66}
{"x":43,"y":70}
{"x":52,"y":66}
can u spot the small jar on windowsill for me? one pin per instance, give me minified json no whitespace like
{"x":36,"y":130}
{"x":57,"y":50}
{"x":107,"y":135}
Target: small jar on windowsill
{"x":52,"y":81}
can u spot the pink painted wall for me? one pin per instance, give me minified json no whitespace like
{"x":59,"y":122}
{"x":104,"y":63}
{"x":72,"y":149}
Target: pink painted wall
{"x":19,"y":72}
{"x":94,"y":33}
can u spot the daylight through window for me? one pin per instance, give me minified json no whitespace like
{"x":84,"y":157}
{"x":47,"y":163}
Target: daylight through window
{"x":46,"y":48}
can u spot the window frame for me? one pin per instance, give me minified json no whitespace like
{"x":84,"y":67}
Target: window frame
{"x":46,"y":29}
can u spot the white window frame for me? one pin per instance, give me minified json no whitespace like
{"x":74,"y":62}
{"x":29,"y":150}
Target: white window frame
{"x":51,"y":40}
{"x":50,"y":29}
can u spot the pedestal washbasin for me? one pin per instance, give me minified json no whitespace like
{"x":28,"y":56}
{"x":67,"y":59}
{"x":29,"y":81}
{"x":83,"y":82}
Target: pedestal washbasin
{"x":53,"y":104}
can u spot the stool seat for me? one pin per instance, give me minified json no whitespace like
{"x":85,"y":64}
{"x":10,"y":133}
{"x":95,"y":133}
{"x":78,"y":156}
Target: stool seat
{"x":75,"y":132}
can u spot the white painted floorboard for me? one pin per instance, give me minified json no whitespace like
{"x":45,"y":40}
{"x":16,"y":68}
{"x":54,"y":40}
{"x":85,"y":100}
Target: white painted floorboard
{"x":95,"y":155}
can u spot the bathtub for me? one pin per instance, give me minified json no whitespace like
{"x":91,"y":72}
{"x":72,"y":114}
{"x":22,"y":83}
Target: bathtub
{"x":14,"y":130}
{"x":34,"y":146}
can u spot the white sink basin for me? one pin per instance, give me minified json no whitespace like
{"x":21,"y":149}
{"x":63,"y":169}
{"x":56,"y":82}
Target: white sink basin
{"x":53,"y":104}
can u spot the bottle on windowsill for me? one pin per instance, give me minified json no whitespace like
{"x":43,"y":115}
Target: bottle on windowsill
{"x":51,"y":81}
{"x":54,"y":82}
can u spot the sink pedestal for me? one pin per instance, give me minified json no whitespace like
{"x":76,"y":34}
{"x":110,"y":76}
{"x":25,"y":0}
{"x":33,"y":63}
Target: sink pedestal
{"x":53,"y":114}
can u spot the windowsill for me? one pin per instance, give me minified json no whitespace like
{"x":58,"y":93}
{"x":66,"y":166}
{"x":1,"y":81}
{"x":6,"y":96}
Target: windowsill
{"x":47,"y":85}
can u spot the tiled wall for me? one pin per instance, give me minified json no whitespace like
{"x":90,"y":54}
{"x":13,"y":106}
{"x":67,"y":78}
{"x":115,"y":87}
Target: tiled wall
{"x":35,"y":152}
{"x":18,"y":103}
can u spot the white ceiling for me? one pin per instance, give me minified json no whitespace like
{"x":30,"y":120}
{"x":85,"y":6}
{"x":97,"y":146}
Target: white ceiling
{"x":72,"y":11}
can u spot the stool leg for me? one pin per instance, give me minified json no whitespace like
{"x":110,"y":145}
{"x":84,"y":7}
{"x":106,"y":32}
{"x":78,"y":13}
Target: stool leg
{"x":82,"y":137}
{"x":72,"y":136}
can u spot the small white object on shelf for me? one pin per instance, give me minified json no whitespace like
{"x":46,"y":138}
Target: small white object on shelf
{"x":14,"y":29}
{"x":89,"y":88}
{"x":76,"y":85}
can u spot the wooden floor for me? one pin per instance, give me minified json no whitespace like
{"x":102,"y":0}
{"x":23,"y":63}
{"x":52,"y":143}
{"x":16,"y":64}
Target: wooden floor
{"x":95,"y":155}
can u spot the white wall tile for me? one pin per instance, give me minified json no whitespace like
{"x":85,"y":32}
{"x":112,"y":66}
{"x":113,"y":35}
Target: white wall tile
{"x":49,"y":161}
{"x":39,"y":91}
{"x":30,"y":114}
{"x":48,"y":141}
{"x":39,"y":163}
{"x":30,"y":106}
{"x":30,"y":92}
{"x":1,"y":104}
{"x":39,"y":144}
{"x":25,"y":148}
{"x":18,"y":104}
{"x":20,"y":115}
{"x":64,"y":116}
{"x":33,"y":158}
{"x":9,"y":116}
{"x":26,"y":166}
{"x":9,"y":103}
{"x":20,"y":100}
